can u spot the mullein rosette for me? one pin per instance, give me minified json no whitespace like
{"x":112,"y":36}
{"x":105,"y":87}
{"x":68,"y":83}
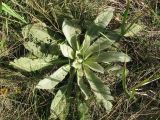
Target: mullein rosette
{"x":84,"y":58}
{"x":81,"y":59}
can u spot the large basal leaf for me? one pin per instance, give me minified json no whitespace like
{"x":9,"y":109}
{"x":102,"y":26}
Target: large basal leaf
{"x":94,"y":66}
{"x":93,"y":32}
{"x":51,"y":81}
{"x":111,"y":56}
{"x":100,"y":23}
{"x":71,"y":32}
{"x":82,"y":85}
{"x":60,"y":105}
{"x":38,"y":32}
{"x":42,"y":50}
{"x":83,"y":111}
{"x":33,"y":48}
{"x":11,"y":12}
{"x":99,"y":45}
{"x":133,"y":30}
{"x":30,"y":65}
{"x":67,"y":51}
{"x":104,"y":18}
{"x":100,"y":90}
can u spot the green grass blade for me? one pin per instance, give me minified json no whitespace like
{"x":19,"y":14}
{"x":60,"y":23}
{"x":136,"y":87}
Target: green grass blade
{"x":0,"y":6}
{"x":11,"y":12}
{"x":125,"y":16}
{"x":124,"y":84}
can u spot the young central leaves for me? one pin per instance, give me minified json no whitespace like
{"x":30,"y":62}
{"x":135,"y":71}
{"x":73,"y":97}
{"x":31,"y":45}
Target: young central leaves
{"x":100,"y":44}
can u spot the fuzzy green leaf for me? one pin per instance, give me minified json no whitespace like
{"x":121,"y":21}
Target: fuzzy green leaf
{"x":86,"y":44}
{"x":83,"y":111}
{"x":76,"y":64}
{"x":51,"y":81}
{"x":38,"y":32}
{"x":111,"y":56}
{"x":30,"y":65}
{"x":100,"y":44}
{"x":133,"y":30}
{"x":93,"y":32}
{"x":104,"y":18}
{"x":33,"y":48}
{"x":81,"y":84}
{"x":100,"y":90}
{"x":99,"y":25}
{"x":67,"y":51}
{"x":71,"y":32}
{"x":60,"y":105}
{"x":94,"y":66}
{"x":42,"y":50}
